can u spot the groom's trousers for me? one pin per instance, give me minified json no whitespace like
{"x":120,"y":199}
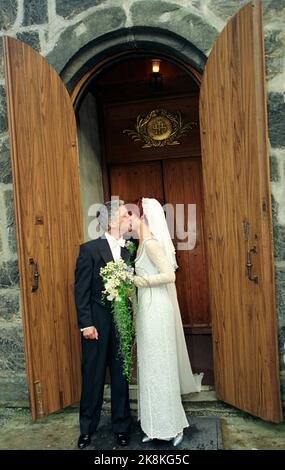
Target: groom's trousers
{"x":96,"y":356}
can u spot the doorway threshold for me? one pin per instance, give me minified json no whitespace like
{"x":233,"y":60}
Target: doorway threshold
{"x":204,"y":403}
{"x":207,"y":394}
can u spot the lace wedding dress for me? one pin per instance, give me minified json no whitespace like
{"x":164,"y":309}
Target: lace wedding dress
{"x":164,"y":370}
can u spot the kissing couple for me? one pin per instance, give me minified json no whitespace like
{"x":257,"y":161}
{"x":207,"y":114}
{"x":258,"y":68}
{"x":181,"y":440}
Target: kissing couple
{"x":164,"y":370}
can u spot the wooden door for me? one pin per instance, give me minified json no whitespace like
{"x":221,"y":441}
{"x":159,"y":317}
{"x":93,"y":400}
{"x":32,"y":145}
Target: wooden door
{"x":49,"y":224}
{"x":182,"y":179}
{"x":235,"y":163}
{"x":177,"y":181}
{"x":134,"y":180}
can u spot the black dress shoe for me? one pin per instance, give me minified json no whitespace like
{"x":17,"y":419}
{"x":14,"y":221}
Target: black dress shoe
{"x":84,"y":441}
{"x":122,"y":438}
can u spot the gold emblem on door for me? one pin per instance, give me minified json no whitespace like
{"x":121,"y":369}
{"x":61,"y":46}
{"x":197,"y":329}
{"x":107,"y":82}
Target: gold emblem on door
{"x":159,"y":127}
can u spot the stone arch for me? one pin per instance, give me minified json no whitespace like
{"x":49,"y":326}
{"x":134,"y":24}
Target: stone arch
{"x":131,"y":40}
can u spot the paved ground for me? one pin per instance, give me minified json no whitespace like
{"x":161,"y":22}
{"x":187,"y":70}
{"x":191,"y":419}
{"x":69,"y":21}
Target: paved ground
{"x":252,"y":434}
{"x":204,"y":433}
{"x":210,"y":428}
{"x":60,"y":431}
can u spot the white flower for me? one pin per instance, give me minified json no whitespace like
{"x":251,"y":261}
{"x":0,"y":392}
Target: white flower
{"x":115,"y":274}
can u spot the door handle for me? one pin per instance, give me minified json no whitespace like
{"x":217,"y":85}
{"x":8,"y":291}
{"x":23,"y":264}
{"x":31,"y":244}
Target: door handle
{"x":249,"y":265}
{"x":35,"y":274}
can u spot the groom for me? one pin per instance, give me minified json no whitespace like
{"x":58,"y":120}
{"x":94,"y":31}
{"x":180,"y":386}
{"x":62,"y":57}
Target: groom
{"x":99,"y":340}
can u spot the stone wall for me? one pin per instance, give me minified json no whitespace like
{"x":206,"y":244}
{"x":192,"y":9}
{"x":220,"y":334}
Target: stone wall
{"x":60,"y":30}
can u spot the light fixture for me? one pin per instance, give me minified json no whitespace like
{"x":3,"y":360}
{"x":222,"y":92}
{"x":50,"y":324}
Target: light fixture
{"x":155,"y":65}
{"x":155,"y":82}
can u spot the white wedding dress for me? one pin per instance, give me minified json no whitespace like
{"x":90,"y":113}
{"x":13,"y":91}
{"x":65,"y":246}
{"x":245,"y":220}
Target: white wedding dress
{"x":164,"y":370}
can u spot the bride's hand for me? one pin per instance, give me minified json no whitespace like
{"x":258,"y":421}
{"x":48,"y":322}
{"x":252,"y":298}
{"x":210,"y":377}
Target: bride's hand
{"x":139,"y":281}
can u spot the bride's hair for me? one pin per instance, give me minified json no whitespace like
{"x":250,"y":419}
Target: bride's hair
{"x":138,"y":203}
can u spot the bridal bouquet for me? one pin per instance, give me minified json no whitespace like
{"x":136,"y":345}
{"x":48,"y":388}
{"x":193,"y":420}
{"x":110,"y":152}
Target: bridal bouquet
{"x":120,"y":291}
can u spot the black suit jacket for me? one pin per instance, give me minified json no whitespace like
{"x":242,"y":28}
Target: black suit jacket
{"x":88,"y":286}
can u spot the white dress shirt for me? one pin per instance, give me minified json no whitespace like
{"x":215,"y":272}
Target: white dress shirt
{"x":115,"y":247}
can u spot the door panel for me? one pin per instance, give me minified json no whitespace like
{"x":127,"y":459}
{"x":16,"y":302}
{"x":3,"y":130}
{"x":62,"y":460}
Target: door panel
{"x":182,"y":179}
{"x":235,"y":163}
{"x":134,"y":180}
{"x":183,"y":185}
{"x":49,"y":223}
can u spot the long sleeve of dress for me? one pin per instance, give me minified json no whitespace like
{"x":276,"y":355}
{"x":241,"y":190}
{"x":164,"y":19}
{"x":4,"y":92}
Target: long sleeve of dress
{"x":165,"y":271}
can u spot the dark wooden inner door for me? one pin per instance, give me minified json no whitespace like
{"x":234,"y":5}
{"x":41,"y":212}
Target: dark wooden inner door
{"x":177,"y":181}
{"x":172,"y":174}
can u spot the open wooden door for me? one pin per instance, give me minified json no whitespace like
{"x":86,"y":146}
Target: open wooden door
{"x":49,"y":224}
{"x":238,"y":218}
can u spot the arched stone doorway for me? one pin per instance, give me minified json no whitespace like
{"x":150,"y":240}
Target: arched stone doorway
{"x":112,"y":164}
{"x":80,"y":75}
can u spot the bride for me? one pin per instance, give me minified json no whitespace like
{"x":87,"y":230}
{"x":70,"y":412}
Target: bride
{"x":164,"y":370}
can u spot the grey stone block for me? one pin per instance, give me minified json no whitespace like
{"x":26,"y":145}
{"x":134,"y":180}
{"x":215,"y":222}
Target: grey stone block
{"x":276,"y":118}
{"x":225,"y":9}
{"x":275,"y":208}
{"x":10,"y":220}
{"x":274,"y":169}
{"x":279,"y":242}
{"x":176,"y":19}
{"x":1,"y":58}
{"x":9,"y":273}
{"x":274,"y":10}
{"x":274,"y":51}
{"x":9,"y":304}
{"x":8,"y":14}
{"x":3,"y":110}
{"x":282,"y":379}
{"x":35,"y":12}
{"x":12,"y":348}
{"x":31,"y":38}
{"x":8,"y":199}
{"x":77,"y":36}
{"x":12,"y":239}
{"x":13,"y":390}
{"x":278,"y":232}
{"x":282,"y":347}
{"x":74,"y":7}
{"x":280,"y":295}
{"x":5,"y":162}
{"x":152,"y":11}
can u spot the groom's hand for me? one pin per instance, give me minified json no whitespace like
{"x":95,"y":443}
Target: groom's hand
{"x":90,"y":333}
